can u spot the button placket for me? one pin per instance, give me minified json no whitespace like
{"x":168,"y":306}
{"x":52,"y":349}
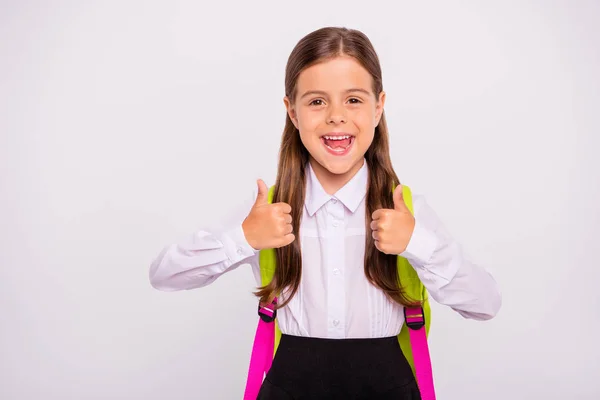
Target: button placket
{"x":335,"y":210}
{"x":335,"y":262}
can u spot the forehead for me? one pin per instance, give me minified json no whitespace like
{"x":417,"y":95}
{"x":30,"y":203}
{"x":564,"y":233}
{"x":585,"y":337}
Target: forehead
{"x":335,"y":75}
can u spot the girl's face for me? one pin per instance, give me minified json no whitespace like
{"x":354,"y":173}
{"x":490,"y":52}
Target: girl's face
{"x":336,"y":112}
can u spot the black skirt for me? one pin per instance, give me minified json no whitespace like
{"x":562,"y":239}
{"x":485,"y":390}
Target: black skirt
{"x":349,"y":369}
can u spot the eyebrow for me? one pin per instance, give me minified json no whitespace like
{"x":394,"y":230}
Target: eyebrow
{"x":320,"y":92}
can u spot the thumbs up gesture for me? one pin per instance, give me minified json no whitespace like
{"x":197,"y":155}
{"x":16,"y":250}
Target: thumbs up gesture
{"x":392,"y":229}
{"x":268,"y":226}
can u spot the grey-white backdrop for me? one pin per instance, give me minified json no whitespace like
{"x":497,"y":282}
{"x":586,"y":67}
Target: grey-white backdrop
{"x":127,"y":125}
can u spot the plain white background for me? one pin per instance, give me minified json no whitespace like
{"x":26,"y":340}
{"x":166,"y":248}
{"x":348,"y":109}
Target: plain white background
{"x":127,"y":125}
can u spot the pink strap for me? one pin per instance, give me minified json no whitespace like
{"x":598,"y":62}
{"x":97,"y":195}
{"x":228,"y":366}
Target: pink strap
{"x":264,"y":344}
{"x":262,"y":351}
{"x":415,"y":319}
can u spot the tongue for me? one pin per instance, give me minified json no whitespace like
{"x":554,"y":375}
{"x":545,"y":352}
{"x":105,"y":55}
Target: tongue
{"x":337,"y":144}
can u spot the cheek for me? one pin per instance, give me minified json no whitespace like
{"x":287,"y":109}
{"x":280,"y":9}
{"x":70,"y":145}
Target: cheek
{"x":307,"y":120}
{"x":366,"y":125}
{"x":307,"y":127}
{"x":366,"y":120}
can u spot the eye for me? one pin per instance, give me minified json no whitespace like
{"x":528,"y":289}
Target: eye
{"x":356,"y":102}
{"x":313,"y":102}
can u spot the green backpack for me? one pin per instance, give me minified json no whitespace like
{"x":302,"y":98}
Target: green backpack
{"x":408,"y":277}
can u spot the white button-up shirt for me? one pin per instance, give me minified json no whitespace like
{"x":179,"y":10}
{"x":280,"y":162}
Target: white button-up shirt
{"x":335,"y":300}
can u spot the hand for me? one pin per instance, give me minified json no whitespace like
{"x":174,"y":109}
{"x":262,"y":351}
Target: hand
{"x":392,"y":229}
{"x":268,"y":226}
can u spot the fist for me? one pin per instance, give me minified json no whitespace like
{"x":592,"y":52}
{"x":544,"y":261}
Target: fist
{"x":393,"y":228}
{"x":268,"y":226}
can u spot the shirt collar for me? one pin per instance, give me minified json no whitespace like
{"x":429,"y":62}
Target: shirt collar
{"x":351,"y":194}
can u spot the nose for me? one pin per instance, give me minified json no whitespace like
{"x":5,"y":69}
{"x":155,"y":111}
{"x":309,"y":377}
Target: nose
{"x":336,"y":116}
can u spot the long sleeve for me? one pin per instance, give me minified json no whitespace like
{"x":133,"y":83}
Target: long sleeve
{"x":205,"y":255}
{"x":450,"y":277}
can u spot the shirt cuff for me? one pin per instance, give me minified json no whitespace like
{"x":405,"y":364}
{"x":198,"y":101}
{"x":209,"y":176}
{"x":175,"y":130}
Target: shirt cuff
{"x":421,"y":246}
{"x":236,"y":246}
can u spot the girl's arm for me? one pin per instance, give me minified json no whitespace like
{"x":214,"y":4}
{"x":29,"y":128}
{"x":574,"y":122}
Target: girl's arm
{"x":449,"y":276}
{"x":205,"y":255}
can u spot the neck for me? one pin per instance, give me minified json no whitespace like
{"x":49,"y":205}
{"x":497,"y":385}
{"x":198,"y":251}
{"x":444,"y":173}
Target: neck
{"x":333,"y":182}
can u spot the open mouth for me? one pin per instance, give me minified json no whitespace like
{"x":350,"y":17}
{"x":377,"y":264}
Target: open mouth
{"x":338,"y":145}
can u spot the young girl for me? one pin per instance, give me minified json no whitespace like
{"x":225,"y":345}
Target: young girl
{"x":338,"y":227}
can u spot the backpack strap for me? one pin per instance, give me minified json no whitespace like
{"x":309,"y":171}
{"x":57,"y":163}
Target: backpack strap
{"x":267,"y":334}
{"x":262,"y":351}
{"x":414,"y":332}
{"x":414,"y":319}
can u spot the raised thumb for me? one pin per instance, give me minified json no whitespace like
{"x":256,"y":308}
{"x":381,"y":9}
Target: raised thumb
{"x":263,"y":193}
{"x":399,"y":198}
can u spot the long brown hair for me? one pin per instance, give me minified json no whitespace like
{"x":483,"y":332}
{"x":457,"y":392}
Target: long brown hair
{"x":290,"y":185}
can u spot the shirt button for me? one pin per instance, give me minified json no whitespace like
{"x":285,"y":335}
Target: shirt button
{"x":240,"y":251}
{"x":334,"y":200}
{"x":336,"y":322}
{"x":336,"y":223}
{"x":336,"y":271}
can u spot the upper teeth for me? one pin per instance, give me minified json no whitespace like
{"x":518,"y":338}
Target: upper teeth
{"x":337,"y":137}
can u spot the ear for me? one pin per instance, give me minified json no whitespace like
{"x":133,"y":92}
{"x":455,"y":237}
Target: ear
{"x":379,"y":107}
{"x":291,"y":111}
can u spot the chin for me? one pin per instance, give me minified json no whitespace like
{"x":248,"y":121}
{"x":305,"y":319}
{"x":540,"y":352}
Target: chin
{"x":338,"y":167}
